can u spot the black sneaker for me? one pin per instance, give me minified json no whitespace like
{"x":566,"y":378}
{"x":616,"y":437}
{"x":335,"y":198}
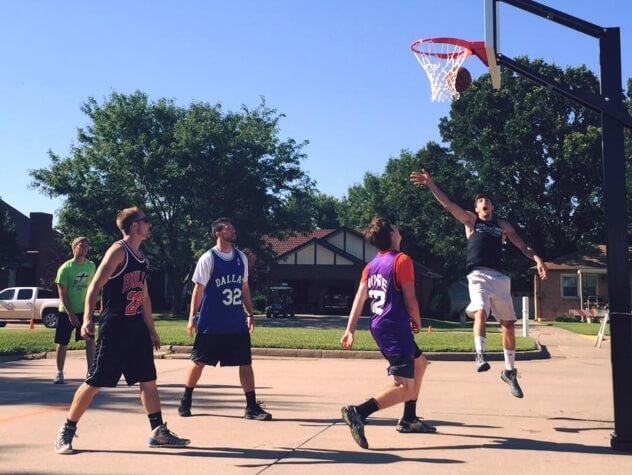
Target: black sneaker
{"x":184,"y":409}
{"x":63,"y":443}
{"x":481,"y":363}
{"x":257,"y":413}
{"x":511,"y":378}
{"x":354,"y":421}
{"x":161,"y":436}
{"x":415,"y":427}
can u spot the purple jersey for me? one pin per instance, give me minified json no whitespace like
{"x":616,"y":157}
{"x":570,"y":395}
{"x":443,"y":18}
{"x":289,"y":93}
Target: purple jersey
{"x":390,"y":322}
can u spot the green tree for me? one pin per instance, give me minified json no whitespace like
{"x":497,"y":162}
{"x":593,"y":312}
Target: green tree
{"x":185,"y":166}
{"x":310,"y":209}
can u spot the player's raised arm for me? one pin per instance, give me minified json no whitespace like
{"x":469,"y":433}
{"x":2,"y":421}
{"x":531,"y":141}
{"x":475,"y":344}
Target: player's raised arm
{"x":423,"y":178}
{"x":517,"y":241}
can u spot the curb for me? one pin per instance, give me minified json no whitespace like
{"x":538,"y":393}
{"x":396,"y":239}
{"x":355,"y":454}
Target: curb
{"x":540,"y":353}
{"x":183,"y":352}
{"x":29,"y":356}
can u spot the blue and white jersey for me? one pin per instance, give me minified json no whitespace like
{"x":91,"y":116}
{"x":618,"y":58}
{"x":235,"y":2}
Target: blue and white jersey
{"x":222,"y":275}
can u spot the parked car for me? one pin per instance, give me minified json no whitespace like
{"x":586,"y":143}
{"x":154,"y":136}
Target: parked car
{"x":337,"y":302}
{"x":26,"y":303}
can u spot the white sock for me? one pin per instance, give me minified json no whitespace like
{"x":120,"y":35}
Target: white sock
{"x":510,"y":359}
{"x":479,"y":344}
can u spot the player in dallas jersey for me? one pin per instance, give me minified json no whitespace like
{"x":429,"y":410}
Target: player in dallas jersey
{"x":489,"y":288}
{"x":222,"y":329}
{"x":126,"y":333}
{"x":388,"y":280}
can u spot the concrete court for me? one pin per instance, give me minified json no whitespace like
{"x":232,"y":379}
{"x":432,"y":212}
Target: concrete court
{"x":562,"y":425}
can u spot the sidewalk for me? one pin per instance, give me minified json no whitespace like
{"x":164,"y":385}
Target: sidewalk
{"x":562,"y":425}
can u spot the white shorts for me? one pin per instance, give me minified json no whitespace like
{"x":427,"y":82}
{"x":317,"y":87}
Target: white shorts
{"x":490,"y":290}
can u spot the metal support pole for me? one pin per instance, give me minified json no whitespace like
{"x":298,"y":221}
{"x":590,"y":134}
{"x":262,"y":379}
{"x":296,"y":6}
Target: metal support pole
{"x":613,"y":155}
{"x":525,"y":316}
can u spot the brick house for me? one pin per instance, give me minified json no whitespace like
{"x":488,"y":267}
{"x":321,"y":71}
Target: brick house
{"x":329,"y":261}
{"x":40,"y":248}
{"x":575,"y":281}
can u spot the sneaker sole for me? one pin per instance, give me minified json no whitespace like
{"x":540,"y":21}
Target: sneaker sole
{"x":167,"y":446}
{"x":253,"y":418}
{"x":482,"y":368}
{"x":355,"y":433}
{"x":184,"y":414}
{"x":405,"y":430}
{"x":65,"y":451}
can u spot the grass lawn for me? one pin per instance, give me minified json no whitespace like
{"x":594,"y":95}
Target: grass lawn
{"x":581,"y":328}
{"x":172,"y":332}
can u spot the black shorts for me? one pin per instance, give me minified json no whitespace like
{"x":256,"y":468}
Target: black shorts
{"x":124,"y":348}
{"x":64,"y":329}
{"x":403,"y":366}
{"x":232,"y":349}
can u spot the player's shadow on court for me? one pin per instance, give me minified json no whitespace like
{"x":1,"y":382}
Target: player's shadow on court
{"x":515,"y":443}
{"x":283,"y":456}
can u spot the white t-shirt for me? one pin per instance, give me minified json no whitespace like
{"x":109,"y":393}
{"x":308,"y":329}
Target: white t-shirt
{"x":204,"y":267}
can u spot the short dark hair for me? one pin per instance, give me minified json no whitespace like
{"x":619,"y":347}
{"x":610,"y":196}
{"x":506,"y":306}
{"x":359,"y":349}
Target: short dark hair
{"x":219,"y":223}
{"x":126,"y":217}
{"x":379,"y":233}
{"x":478,"y":196}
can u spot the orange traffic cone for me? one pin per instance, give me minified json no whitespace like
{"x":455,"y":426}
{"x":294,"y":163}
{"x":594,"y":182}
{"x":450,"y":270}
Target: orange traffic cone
{"x":429,"y":329}
{"x":32,"y":324}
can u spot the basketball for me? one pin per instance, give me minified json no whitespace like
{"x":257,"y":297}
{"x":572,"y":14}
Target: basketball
{"x":463,"y":80}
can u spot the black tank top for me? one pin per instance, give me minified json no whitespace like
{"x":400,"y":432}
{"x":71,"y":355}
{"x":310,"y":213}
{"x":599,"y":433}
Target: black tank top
{"x":484,"y":247}
{"x":123,"y":292}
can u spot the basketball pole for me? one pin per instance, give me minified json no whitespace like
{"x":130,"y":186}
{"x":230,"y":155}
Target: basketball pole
{"x":613,"y":156}
{"x":614,"y":117}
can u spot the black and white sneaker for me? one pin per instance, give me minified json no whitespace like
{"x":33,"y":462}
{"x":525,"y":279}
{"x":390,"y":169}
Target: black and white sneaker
{"x":511,"y":378}
{"x":63,"y":443}
{"x":356,"y":424}
{"x":481,"y":363}
{"x":184,"y":409}
{"x":161,"y":436}
{"x":415,"y":427}
{"x":257,"y":413}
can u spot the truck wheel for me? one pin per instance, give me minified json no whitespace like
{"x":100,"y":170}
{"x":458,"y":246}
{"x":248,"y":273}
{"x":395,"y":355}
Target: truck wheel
{"x":3,"y":324}
{"x":49,"y":318}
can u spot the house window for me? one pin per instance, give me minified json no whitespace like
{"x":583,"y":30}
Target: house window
{"x":589,"y":285}
{"x":569,"y":286}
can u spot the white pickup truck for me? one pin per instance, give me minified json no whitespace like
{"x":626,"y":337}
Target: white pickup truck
{"x":24,"y":303}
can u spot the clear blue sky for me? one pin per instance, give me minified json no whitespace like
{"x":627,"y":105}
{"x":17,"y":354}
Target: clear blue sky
{"x":341,"y":71}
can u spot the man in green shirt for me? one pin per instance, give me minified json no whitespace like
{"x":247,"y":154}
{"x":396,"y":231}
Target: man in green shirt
{"x":73,"y":278}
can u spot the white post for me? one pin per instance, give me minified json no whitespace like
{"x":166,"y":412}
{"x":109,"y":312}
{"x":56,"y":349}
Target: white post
{"x":525,"y":316}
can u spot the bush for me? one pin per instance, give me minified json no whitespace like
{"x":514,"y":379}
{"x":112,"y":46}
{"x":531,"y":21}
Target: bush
{"x":440,"y":302}
{"x":259,"y":302}
{"x":567,"y":319}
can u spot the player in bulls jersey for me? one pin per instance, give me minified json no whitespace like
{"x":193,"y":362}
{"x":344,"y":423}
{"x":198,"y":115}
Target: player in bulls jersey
{"x":126,"y":333}
{"x":220,"y":294}
{"x":489,"y":288}
{"x":388,"y":280}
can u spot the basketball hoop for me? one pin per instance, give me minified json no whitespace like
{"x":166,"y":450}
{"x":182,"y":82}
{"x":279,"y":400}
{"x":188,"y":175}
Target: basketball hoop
{"x":442,"y":59}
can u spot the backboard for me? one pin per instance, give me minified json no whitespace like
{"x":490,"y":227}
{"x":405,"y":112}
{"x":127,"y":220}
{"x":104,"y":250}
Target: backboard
{"x":491,"y":40}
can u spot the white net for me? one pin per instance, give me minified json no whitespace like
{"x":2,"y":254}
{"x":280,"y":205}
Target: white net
{"x":441,"y":61}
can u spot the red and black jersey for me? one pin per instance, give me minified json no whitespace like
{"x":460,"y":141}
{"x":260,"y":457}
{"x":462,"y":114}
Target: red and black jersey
{"x":123,"y":292}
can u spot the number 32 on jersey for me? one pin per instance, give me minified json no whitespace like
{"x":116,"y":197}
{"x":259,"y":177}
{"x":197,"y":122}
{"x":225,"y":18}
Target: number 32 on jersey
{"x":231,"y":297}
